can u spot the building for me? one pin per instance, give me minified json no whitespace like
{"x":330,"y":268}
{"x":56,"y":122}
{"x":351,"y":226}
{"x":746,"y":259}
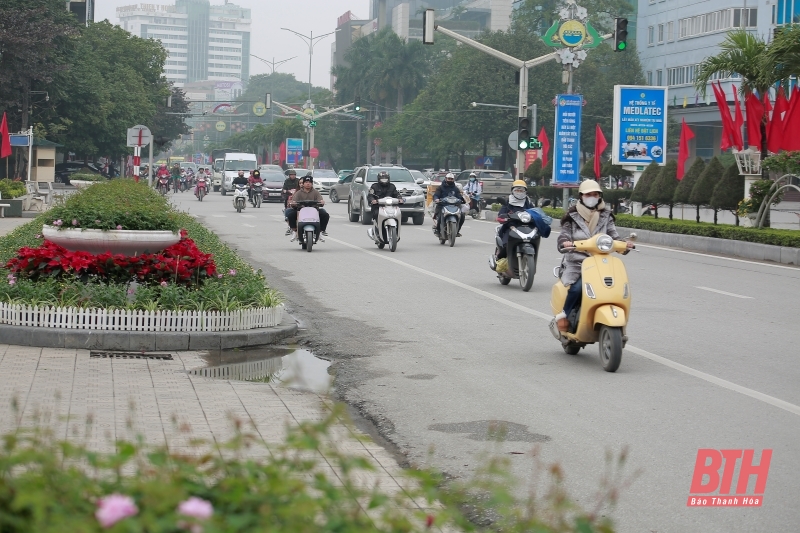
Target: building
{"x":82,"y":9}
{"x":674,"y":37}
{"x":204,"y":41}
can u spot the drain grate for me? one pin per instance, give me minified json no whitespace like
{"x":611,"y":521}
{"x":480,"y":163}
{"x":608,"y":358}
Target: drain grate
{"x":131,"y":355}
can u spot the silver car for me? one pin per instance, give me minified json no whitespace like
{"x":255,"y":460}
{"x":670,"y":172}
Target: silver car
{"x":324,"y":179}
{"x":341,"y":189}
{"x":412,"y":193}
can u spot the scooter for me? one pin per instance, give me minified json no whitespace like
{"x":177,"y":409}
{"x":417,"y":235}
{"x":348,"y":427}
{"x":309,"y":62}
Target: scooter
{"x":308,"y":224}
{"x":387,"y":224}
{"x":239,"y":197}
{"x":256,"y":194}
{"x":474,"y":205}
{"x":522,"y":246}
{"x":602,"y":315}
{"x":163,"y":184}
{"x":449,"y":216}
{"x":202,"y":188}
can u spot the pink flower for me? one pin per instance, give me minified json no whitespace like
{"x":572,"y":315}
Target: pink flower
{"x":163,"y":283}
{"x":12,"y":281}
{"x":74,"y":221}
{"x":196,"y":508}
{"x":119,"y":227}
{"x":232,"y":272}
{"x":57,"y":222}
{"x":114,"y":508}
{"x":219,"y":275}
{"x":38,"y":236}
{"x":97,"y":221}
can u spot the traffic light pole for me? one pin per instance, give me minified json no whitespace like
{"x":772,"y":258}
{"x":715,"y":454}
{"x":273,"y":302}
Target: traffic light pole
{"x":310,"y":118}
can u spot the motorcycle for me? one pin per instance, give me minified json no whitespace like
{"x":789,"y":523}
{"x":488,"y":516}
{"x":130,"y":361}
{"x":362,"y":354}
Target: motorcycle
{"x":449,"y":217}
{"x":474,"y":205}
{"x":163,"y":184}
{"x":602,"y":315}
{"x":256,"y":194}
{"x":522,"y":245}
{"x":308,"y":224}
{"x":184,"y":183}
{"x":239,"y":197}
{"x":387,"y":224}
{"x":202,"y":188}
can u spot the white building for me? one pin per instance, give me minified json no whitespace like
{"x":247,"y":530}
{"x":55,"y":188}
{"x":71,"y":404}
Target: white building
{"x":204,"y":42}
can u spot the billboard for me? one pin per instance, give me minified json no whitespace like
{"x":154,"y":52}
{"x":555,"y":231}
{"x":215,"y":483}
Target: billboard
{"x":294,"y":151}
{"x":227,"y":91}
{"x":567,"y":149}
{"x":640,"y":125}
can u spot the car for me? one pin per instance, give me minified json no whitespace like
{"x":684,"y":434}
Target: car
{"x":273,"y":185}
{"x":63,"y":170}
{"x":344,"y":173}
{"x":412,"y":193}
{"x":420,"y":178}
{"x":341,"y":188}
{"x":496,"y":183}
{"x":185,"y":165}
{"x":324,"y":178}
{"x":263,"y":168}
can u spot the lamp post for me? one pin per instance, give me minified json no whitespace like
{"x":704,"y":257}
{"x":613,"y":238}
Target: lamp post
{"x":311,"y":41}
{"x":272,"y":64}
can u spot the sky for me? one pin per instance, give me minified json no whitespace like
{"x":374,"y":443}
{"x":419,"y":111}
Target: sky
{"x":268,"y":41}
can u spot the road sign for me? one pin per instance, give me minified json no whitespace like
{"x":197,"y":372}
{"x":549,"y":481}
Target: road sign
{"x":488,"y":161}
{"x":259,"y":109}
{"x":139,"y":136}
{"x":566,"y":153}
{"x":512,"y":140}
{"x":294,"y":151}
{"x":314,"y":152}
{"x":220,"y":126}
{"x":640,"y":125}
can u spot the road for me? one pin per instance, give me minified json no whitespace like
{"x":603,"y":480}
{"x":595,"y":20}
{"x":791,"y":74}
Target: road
{"x":429,"y":346}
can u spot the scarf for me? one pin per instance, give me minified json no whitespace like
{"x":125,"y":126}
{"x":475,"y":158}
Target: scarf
{"x":591,"y":216}
{"x":516,"y":203}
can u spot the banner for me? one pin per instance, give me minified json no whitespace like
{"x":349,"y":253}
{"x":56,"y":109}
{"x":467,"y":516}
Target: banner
{"x":567,"y":137}
{"x":640,"y":125}
{"x":294,"y":151}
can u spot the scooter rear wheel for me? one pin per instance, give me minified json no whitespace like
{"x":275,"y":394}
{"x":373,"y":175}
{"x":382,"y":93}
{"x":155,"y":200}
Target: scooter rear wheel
{"x":571,"y":349}
{"x":610,"y":348}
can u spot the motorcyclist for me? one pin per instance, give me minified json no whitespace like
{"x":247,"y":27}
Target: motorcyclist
{"x":474,"y":189}
{"x":383,"y":188}
{"x":254,"y":179}
{"x":447,"y":188}
{"x":307,"y":193}
{"x":588,"y":218}
{"x":240,"y":179}
{"x":201,"y":174}
{"x":291,"y":183}
{"x":517,"y":201}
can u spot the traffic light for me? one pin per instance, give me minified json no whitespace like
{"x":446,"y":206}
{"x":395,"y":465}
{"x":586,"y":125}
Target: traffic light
{"x":524,"y":133}
{"x":357,"y":105}
{"x":535,"y":143}
{"x":621,"y":35}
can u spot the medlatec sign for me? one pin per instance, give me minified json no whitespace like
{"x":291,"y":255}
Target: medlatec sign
{"x":640,"y":125}
{"x":566,"y":153}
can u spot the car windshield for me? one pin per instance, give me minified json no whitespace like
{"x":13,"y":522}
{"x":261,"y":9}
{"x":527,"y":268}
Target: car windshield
{"x":396,"y":175}
{"x":417,"y":175}
{"x":325,"y":173}
{"x":240,"y":164}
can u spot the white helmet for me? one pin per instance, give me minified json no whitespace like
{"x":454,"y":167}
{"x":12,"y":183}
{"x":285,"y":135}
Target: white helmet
{"x":450,"y":175}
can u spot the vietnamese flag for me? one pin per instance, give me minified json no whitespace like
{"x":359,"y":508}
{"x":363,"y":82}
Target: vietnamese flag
{"x":791,"y":123}
{"x":725,"y":115}
{"x":738,"y":120}
{"x":545,"y":146}
{"x":5,"y":139}
{"x":683,"y":148}
{"x":600,"y":144}
{"x":775,"y":126}
{"x":755,"y":115}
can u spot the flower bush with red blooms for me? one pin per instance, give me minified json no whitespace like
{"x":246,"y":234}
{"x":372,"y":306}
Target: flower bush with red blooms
{"x":182,"y":263}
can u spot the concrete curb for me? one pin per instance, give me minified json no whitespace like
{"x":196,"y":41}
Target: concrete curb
{"x":137,"y":341}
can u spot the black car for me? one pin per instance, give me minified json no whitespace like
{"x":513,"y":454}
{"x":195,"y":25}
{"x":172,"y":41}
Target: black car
{"x":64,"y":170}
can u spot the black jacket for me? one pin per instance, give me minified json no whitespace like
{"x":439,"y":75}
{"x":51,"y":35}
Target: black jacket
{"x":445,"y":190}
{"x":508,"y":208}
{"x":378,"y":191}
{"x":239,"y":180}
{"x":291,"y":183}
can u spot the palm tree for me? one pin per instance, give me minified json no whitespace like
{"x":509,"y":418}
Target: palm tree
{"x":746,"y":54}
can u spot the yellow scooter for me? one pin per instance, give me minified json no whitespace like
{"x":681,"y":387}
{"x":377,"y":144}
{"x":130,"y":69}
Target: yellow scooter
{"x":602,"y":315}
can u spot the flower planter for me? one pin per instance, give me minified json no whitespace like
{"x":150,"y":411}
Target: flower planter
{"x":15,"y":209}
{"x":490,"y":215}
{"x":125,"y":242}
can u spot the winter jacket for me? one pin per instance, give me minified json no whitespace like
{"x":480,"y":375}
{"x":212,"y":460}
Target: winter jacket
{"x":574,"y":228}
{"x":378,"y":191}
{"x":290,"y":184}
{"x":509,"y":223}
{"x":445,"y":190}
{"x":311,"y":196}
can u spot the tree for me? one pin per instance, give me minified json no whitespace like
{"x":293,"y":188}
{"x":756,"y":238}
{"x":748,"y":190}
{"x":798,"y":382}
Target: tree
{"x":174,"y":125}
{"x":642,"y":189}
{"x":684,"y":189}
{"x":547,"y":173}
{"x":704,"y":188}
{"x":587,"y":170}
{"x":663,"y":188}
{"x":534,"y":172}
{"x":616,"y":172}
{"x":729,"y":191}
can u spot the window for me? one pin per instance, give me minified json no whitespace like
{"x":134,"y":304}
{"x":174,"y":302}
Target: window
{"x":660,"y":33}
{"x":716,"y":21}
{"x":650,"y":35}
{"x":649,"y":77}
{"x":670,"y":31}
{"x":659,"y":78}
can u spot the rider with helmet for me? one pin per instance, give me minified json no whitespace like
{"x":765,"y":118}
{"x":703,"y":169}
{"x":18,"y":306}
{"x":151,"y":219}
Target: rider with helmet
{"x":474,"y":189}
{"x":517,"y":201}
{"x":254,"y":179}
{"x":447,"y":188}
{"x":240,"y":179}
{"x":383,"y":188}
{"x":307,"y":193}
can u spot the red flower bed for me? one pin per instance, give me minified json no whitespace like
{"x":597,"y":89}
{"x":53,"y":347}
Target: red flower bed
{"x":181,"y":263}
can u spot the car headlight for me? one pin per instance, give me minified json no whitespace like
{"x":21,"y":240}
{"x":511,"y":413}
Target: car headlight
{"x":524,"y":217}
{"x":604,"y":243}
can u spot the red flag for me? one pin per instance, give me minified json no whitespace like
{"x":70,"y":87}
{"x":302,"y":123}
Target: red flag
{"x":755,"y":115}
{"x":683,"y":148}
{"x":599,"y":145}
{"x":775,"y":126}
{"x":726,"y":140}
{"x":5,"y":140}
{"x":791,"y":123}
{"x":545,"y":146}
{"x":738,"y":120}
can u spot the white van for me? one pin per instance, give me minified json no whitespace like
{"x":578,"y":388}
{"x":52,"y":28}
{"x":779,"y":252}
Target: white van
{"x":233,"y":164}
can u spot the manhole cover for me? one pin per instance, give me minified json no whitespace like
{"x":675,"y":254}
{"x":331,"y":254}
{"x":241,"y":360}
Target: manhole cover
{"x":131,"y":355}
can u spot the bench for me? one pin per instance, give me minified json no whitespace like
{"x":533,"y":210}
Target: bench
{"x":3,"y":210}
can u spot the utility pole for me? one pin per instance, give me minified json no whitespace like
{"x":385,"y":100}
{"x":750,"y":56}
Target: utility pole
{"x":272,"y":64}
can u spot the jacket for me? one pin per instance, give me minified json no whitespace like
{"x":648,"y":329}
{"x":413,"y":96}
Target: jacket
{"x":378,"y":191}
{"x":444,"y":190}
{"x":311,"y":196}
{"x":473,"y":187}
{"x":574,"y":228}
{"x":239,"y":180}
{"x":290,"y":183}
{"x":252,"y":179}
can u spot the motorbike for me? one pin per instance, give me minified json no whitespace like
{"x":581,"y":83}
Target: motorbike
{"x":202,"y":188}
{"x":239,"y":197}
{"x":256,"y":194}
{"x":387,"y":224}
{"x":163,"y":184}
{"x":449,"y":216}
{"x":308,"y":224}
{"x":602,"y":315}
{"x":474,"y":205}
{"x":184,"y":183}
{"x":522,"y":245}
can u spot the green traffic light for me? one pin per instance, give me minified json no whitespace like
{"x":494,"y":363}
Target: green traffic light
{"x":523,"y":145}
{"x":621,"y":46}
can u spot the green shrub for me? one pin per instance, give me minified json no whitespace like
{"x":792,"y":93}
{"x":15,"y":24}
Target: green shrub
{"x":496,"y":207}
{"x":88,"y":176}
{"x":117,"y":204}
{"x":12,"y":189}
{"x":684,"y":189}
{"x":729,"y":191}
{"x":534,"y":171}
{"x":704,"y":188}
{"x":663,"y":189}
{"x":641,"y":191}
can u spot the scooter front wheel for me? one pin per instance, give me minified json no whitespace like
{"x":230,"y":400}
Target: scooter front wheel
{"x":610,"y":348}
{"x":451,"y":229}
{"x":391,"y":233}
{"x":571,"y":349}
{"x":525,"y":273}
{"x":309,"y":241}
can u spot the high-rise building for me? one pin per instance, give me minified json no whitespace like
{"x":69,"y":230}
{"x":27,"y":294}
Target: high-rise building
{"x":204,"y":41}
{"x":82,"y":9}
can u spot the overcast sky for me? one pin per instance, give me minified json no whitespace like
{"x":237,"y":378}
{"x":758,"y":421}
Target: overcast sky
{"x":267,"y":40}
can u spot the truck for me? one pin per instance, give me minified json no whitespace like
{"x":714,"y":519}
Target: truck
{"x":217,"y":163}
{"x":496,"y":183}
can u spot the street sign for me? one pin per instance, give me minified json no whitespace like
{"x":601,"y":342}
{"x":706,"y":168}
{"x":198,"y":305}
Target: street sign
{"x":139,"y":136}
{"x":294,"y":151}
{"x":488,"y":161}
{"x":259,"y":109}
{"x":19,"y":140}
{"x":220,"y":126}
{"x":530,"y":157}
{"x":314,"y":152}
{"x":640,"y":125}
{"x":512,"y":140}
{"x":566,"y":153}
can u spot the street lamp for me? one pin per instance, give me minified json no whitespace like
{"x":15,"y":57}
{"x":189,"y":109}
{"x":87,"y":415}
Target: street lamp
{"x":310,"y":40}
{"x":272,"y":64}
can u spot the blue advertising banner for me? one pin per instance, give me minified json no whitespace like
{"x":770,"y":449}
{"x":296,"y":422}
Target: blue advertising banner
{"x":567,"y":149}
{"x":640,"y":125}
{"x":294,"y":151}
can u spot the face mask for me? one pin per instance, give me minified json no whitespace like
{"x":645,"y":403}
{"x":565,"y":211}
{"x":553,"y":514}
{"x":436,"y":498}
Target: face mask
{"x":590,"y":201}
{"x":472,"y":179}
{"x":450,"y":182}
{"x":518,"y":194}
{"x":384,"y":180}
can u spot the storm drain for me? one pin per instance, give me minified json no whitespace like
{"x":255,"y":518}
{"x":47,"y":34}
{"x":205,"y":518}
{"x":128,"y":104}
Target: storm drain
{"x":131,"y":355}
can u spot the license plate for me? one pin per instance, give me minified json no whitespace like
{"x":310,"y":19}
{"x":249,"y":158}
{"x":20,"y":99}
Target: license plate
{"x":274,"y":194}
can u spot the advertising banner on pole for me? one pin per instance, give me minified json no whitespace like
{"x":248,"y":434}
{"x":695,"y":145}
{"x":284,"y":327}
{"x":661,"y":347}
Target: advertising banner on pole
{"x":294,"y":151}
{"x":567,"y":150}
{"x":640,"y":125}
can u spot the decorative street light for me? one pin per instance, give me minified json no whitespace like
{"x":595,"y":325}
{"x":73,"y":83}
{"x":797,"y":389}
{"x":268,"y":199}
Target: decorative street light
{"x":311,"y":41}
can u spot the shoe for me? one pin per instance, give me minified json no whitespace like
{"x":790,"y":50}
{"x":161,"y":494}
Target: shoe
{"x":562,"y":322}
{"x":459,"y":235}
{"x":325,"y":233}
{"x":492,"y":262}
{"x":371,"y":233}
{"x":294,"y":236}
{"x":288,"y":231}
{"x":320,"y":239}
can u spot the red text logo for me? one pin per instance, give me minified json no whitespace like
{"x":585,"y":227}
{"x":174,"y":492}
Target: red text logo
{"x":713,"y":478}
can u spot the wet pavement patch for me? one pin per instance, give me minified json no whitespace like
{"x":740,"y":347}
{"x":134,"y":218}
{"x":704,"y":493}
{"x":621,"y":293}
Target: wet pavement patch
{"x":496,"y":430}
{"x":130,"y":355}
{"x":285,"y":366}
{"x":421,"y":376}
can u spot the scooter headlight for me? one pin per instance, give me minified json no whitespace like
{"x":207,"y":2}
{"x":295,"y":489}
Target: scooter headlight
{"x":605,"y":243}
{"x":524,"y":217}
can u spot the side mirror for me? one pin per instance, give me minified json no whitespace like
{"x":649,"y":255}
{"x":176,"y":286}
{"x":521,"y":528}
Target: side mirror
{"x":420,"y":181}
{"x":341,"y":180}
{"x":358,"y":180}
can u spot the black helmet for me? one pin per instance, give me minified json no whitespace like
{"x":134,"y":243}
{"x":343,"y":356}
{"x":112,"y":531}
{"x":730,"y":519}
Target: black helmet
{"x":307,"y":177}
{"x":383,"y":175}
{"x":256,"y":173}
{"x":292,"y":172}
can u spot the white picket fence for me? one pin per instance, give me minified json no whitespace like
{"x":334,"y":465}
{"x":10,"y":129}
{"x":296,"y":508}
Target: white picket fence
{"x":130,"y":320}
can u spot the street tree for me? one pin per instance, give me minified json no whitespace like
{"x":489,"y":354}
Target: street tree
{"x":662,"y":192}
{"x":534,"y":172}
{"x":683,"y":191}
{"x":641,"y":191}
{"x":704,"y":188}
{"x":728,"y":192}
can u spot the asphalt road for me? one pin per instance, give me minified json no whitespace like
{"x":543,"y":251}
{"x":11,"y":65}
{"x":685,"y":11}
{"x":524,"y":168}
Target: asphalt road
{"x":429,"y":346}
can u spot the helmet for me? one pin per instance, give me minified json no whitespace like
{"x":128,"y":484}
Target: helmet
{"x":473,"y":176}
{"x":292,"y":172}
{"x":450,"y":176}
{"x":519,"y":183}
{"x":241,"y":172}
{"x":306,"y":178}
{"x":383,"y":175}
{"x":256,"y":173}
{"x":589,"y":186}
